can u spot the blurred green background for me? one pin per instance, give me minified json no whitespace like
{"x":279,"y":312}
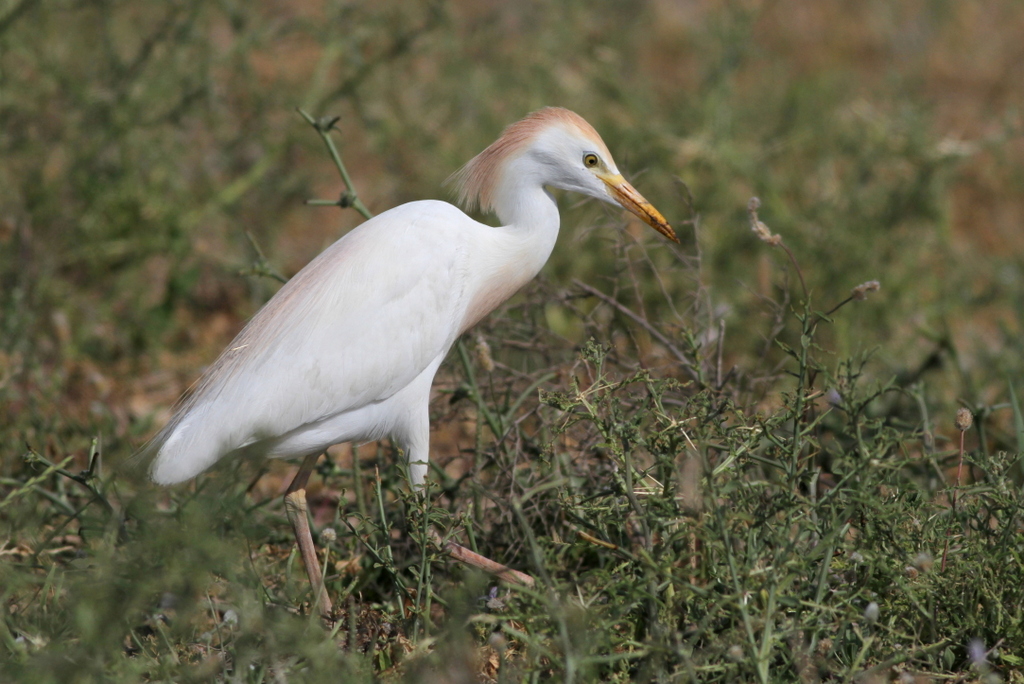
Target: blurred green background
{"x":142,"y":143}
{"x":139,"y":142}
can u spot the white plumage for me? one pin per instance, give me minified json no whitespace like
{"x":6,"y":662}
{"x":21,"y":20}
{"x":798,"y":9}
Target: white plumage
{"x":348,"y":348}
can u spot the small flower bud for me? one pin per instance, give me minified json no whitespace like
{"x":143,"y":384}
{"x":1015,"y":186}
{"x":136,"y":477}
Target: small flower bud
{"x":976,"y":650}
{"x":759,"y":228}
{"x":860,"y":293}
{"x":924,"y":561}
{"x":964,"y":419}
{"x":328,"y":535}
{"x":483,"y":353}
{"x":497,"y":641}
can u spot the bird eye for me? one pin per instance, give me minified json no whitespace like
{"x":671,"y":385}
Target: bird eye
{"x":590,"y":160}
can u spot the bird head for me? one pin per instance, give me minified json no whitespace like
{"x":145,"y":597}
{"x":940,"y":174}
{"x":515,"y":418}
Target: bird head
{"x":554,"y":147}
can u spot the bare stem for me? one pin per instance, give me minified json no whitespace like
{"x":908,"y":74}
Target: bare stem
{"x":959,"y":475}
{"x":643,"y":322}
{"x":261,"y":267}
{"x":349,"y":198}
{"x":800,"y":274}
{"x":839,"y":305}
{"x":765,"y":235}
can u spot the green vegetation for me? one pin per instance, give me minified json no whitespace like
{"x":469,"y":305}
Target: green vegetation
{"x":722,"y":461}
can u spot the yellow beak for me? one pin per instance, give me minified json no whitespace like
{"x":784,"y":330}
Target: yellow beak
{"x":626,"y":195}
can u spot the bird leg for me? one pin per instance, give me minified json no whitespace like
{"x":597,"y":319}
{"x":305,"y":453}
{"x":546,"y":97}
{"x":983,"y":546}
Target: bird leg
{"x":295,"y":506}
{"x":417,"y":478}
{"x":475,"y":560}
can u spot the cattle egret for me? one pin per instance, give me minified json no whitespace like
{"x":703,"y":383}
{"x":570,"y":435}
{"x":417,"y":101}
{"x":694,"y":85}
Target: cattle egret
{"x":347,"y":349}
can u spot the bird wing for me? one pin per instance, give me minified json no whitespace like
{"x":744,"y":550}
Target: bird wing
{"x":353,"y":327}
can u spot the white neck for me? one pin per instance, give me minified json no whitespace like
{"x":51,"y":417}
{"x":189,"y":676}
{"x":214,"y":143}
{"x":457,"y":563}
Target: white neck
{"x":530,"y":214}
{"x":516,"y":251}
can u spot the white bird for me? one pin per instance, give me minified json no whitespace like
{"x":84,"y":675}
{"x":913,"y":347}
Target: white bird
{"x":348,"y":348}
